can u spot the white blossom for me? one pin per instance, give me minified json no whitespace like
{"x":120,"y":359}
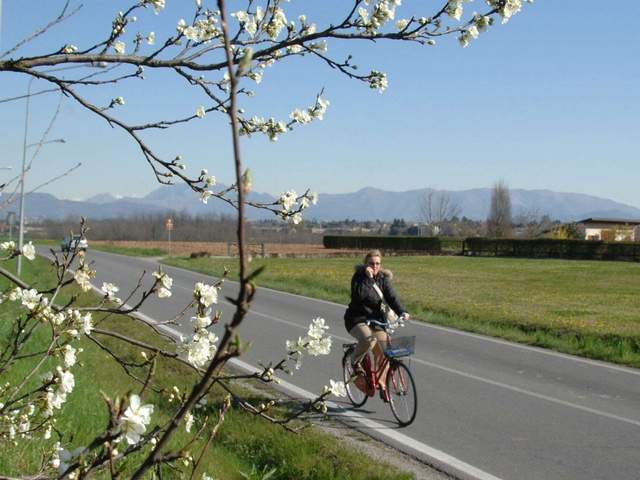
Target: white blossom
{"x":301,"y":116}
{"x":201,"y":113}
{"x":251,"y":26}
{"x":165,"y":279}
{"x":135,"y":420}
{"x":402,"y":24}
{"x":188,"y":421}
{"x":82,"y":276}
{"x":319,"y":45}
{"x":205,"y":294}
{"x":109,"y":289}
{"x":45,"y":378}
{"x":69,"y":356}
{"x":320,"y":346}
{"x":288,"y":199}
{"x":205,"y":195}
{"x":201,"y":321}
{"x":511,"y":7}
{"x":119,"y":47}
{"x":29,"y":251}
{"x":242,"y":16}
{"x":151,"y":38}
{"x":317,"y":328}
{"x":191,"y":33}
{"x":83,"y":322}
{"x":66,"y":381}
{"x":338,"y":389}
{"x":464,"y":38}
{"x":199,"y":348}
{"x":157,"y":5}
{"x":65,"y":458}
{"x":163,"y":292}
{"x":15,"y":294}
{"x":31,"y":298}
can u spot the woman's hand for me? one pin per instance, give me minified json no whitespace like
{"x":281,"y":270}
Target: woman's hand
{"x":406,"y":315}
{"x":369,"y":272}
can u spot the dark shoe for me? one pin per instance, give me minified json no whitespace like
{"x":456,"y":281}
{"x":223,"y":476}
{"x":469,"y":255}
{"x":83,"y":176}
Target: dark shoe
{"x":357,"y":369}
{"x":383,"y":396}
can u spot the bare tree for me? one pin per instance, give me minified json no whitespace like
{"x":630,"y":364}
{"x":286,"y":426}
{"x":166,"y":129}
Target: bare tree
{"x":499,"y":221}
{"x":438,"y":209}
{"x":533,"y":224}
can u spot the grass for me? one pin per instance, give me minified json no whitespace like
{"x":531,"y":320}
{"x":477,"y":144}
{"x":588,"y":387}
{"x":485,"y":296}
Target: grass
{"x":246,"y":447}
{"x":134,"y":252}
{"x":583,"y":308}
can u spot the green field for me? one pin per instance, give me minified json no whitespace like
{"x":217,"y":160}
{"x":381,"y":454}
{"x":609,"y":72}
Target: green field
{"x":583,"y":308}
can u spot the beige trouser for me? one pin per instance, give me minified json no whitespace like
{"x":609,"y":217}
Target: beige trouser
{"x":369,"y":340}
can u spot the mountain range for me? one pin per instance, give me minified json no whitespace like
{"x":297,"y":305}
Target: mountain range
{"x":365,"y":204}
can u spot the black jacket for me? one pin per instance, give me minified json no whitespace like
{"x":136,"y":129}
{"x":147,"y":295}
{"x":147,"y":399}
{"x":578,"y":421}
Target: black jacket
{"x":365,"y":301}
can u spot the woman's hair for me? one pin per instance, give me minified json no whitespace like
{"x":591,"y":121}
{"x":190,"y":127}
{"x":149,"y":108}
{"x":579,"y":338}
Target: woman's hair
{"x":372,"y":253}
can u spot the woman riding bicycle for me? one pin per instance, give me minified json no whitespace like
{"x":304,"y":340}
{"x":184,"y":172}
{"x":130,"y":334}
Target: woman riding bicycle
{"x":365,"y":304}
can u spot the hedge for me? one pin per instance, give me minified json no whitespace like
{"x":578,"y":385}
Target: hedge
{"x":552,"y":248}
{"x":387,"y":243}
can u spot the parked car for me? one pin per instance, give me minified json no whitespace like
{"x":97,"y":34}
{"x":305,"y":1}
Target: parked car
{"x":70,"y":243}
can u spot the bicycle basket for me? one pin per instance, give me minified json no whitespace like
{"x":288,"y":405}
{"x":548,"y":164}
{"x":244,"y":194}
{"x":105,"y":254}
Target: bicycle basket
{"x":401,"y":347}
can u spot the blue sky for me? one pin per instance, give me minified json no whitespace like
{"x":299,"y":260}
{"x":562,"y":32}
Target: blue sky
{"x":549,"y":100}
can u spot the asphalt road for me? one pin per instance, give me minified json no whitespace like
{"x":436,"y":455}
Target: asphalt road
{"x":487,"y":408}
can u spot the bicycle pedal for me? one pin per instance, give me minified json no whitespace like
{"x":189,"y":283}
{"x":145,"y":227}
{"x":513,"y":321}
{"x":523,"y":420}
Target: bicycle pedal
{"x":384,"y":395}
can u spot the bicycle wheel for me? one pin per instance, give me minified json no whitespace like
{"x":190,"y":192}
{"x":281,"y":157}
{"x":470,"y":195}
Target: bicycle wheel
{"x":357,"y":396}
{"x":403,"y":397}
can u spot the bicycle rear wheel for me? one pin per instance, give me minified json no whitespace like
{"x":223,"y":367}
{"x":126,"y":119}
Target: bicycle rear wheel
{"x":357,"y":396}
{"x":403,"y":397}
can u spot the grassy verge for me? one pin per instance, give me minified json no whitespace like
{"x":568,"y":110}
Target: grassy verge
{"x":246,"y":447}
{"x":577,"y":307}
{"x":134,"y":252}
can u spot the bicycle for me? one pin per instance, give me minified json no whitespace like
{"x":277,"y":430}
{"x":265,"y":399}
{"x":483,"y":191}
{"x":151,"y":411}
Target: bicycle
{"x":401,"y":390}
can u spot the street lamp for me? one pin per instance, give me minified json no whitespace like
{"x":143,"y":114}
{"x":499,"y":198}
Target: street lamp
{"x":24,"y":151}
{"x":24,"y":166}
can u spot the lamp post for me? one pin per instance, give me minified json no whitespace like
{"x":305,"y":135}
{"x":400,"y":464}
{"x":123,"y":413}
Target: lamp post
{"x":24,"y":151}
{"x":24,"y":166}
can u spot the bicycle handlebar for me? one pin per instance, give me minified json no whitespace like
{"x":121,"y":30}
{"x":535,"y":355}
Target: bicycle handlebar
{"x":396,"y":323}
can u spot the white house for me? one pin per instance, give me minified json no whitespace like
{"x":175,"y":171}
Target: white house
{"x":605,"y":228}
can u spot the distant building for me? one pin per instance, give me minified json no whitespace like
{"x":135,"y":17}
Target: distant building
{"x":611,"y":229}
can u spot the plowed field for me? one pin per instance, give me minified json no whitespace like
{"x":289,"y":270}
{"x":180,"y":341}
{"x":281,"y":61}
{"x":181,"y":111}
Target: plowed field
{"x":225,"y":249}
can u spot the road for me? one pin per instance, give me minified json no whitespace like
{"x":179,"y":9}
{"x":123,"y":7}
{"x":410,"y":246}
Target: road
{"x":487,"y":408}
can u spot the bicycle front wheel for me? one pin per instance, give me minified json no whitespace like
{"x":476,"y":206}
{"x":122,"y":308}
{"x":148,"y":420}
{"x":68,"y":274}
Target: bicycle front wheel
{"x":357,"y":396}
{"x":403,"y":397}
